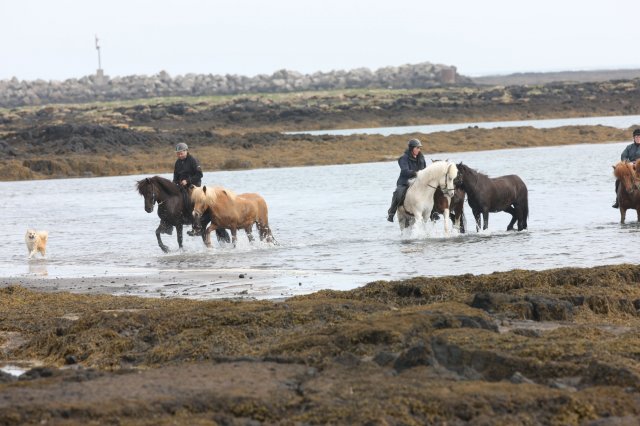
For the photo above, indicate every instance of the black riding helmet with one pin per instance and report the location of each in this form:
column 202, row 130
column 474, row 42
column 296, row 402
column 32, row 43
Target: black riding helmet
column 413, row 143
column 636, row 132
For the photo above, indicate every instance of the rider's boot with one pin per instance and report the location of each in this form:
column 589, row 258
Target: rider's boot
column 394, row 206
column 616, row 205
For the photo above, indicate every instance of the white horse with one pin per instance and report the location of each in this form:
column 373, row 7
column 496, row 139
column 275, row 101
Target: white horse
column 418, row 202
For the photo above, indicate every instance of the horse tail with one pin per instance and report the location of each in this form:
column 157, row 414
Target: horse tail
column 525, row 205
column 262, row 221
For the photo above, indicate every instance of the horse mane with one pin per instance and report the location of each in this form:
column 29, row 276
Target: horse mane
column 623, row 170
column 435, row 169
column 209, row 194
column 474, row 172
column 163, row 184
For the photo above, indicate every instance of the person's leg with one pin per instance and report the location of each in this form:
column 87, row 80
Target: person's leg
column 616, row 204
column 395, row 201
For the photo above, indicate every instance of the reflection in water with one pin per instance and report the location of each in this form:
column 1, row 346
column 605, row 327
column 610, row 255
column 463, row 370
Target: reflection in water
column 38, row 268
column 619, row 121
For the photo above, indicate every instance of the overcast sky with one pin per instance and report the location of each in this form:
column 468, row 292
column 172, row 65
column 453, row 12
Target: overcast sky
column 55, row 39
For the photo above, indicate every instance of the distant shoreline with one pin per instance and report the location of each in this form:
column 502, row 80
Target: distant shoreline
column 253, row 131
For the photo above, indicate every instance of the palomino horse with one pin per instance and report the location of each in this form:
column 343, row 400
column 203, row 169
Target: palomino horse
column 171, row 209
column 485, row 194
column 419, row 200
column 628, row 189
column 230, row 210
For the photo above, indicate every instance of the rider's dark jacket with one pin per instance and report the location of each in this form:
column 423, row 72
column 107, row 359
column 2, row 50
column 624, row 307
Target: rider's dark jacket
column 409, row 166
column 631, row 152
column 187, row 169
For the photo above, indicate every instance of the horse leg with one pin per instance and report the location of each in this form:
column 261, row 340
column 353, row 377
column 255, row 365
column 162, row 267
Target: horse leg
column 207, row 234
column 460, row 221
column 265, row 233
column 269, row 235
column 485, row 216
column 179, row 235
column 222, row 235
column 514, row 217
column 623, row 214
column 445, row 218
column 162, row 246
column 234, row 236
column 521, row 215
column 248, row 230
column 476, row 216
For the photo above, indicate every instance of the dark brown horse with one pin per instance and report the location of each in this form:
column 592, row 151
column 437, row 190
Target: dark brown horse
column 171, row 208
column 485, row 194
column 456, row 208
column 628, row 189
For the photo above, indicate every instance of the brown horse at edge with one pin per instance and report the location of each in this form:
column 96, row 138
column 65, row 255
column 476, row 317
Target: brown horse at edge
column 629, row 188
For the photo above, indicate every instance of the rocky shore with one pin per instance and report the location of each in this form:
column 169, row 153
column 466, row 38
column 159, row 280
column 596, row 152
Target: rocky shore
column 556, row 347
column 100, row 87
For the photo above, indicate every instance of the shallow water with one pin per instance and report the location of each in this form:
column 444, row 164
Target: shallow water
column 618, row 121
column 331, row 224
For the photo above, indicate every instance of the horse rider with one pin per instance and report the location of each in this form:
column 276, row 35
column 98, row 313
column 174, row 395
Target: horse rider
column 411, row 162
column 631, row 153
column 186, row 172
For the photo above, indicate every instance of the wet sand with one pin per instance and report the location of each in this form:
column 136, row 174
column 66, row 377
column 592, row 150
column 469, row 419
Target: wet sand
column 240, row 284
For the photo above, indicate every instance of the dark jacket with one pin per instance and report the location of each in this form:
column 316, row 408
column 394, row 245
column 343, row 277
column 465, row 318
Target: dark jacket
column 187, row 169
column 631, row 153
column 409, row 166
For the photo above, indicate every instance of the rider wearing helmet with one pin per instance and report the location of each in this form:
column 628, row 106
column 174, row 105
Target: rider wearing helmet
column 631, row 153
column 410, row 163
column 187, row 170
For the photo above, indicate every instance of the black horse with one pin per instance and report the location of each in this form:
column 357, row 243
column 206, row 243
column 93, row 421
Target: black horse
column 485, row 194
column 171, row 208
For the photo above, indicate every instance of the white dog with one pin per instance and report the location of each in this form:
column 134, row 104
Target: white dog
column 36, row 242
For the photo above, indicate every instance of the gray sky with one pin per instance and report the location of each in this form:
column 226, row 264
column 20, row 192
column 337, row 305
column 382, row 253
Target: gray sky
column 54, row 39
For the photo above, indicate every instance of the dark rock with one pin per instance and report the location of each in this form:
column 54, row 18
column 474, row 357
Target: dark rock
column 413, row 357
column 37, row 373
column 7, row 378
column 384, row 358
column 347, row 359
column 546, row 309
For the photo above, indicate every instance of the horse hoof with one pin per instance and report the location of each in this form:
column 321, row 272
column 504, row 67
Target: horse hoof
column 165, row 249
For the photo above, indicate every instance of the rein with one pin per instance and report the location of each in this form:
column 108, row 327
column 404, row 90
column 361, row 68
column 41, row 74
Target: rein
column 445, row 190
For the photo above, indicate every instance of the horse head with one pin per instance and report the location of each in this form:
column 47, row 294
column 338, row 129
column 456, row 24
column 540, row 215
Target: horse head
column 465, row 175
column 624, row 172
column 202, row 198
column 449, row 179
column 199, row 199
column 147, row 189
